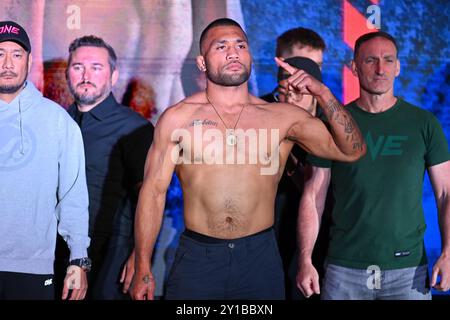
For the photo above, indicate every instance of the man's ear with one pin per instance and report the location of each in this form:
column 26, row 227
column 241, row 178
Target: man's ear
column 114, row 77
column 397, row 68
column 30, row 61
column 201, row 64
column 354, row 68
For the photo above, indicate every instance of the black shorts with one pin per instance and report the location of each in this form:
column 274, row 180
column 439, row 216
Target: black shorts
column 222, row 269
column 26, row 286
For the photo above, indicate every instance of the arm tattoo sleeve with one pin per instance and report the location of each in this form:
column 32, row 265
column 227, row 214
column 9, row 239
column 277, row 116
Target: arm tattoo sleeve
column 337, row 113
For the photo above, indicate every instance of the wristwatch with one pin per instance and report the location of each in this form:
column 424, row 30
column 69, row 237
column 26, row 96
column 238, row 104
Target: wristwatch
column 83, row 263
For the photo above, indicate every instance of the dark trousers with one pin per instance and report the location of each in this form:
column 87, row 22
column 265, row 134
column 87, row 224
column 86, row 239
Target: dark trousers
column 97, row 252
column 107, row 285
column 25, row 286
column 218, row 269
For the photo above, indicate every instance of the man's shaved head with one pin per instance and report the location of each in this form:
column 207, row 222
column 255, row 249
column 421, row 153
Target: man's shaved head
column 219, row 23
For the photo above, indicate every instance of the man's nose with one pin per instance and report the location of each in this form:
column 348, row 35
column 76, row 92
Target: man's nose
column 86, row 74
column 232, row 54
column 379, row 67
column 8, row 62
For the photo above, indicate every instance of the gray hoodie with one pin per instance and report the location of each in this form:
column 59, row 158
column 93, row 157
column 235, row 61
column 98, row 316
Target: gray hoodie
column 42, row 184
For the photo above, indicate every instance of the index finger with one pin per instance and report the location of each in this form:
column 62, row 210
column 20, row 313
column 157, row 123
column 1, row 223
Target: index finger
column 127, row 282
column 150, row 291
column 75, row 294
column 65, row 292
column 124, row 273
column 434, row 277
column 286, row 66
column 300, row 287
column 316, row 286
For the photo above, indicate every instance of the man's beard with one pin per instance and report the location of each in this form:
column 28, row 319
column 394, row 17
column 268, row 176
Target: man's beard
column 85, row 98
column 11, row 88
column 228, row 80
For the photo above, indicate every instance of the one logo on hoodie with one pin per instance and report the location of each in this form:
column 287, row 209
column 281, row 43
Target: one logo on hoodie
column 17, row 145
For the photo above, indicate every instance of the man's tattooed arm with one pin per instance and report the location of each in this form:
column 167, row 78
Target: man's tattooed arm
column 337, row 113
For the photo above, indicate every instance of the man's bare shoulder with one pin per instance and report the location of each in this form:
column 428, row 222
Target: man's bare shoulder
column 178, row 114
column 171, row 117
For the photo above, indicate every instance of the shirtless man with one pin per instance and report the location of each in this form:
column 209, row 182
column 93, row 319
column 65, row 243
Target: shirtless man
column 228, row 250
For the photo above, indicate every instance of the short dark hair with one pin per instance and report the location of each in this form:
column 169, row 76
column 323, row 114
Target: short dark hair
column 93, row 41
column 219, row 23
column 371, row 35
column 299, row 36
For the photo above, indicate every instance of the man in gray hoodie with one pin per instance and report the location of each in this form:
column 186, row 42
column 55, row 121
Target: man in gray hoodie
column 42, row 182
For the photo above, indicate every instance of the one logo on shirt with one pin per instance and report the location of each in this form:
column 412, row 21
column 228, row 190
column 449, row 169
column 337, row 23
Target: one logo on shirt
column 390, row 145
column 48, row 282
column 402, row 254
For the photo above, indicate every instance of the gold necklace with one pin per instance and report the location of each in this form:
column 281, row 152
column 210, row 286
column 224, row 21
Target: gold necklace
column 231, row 136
